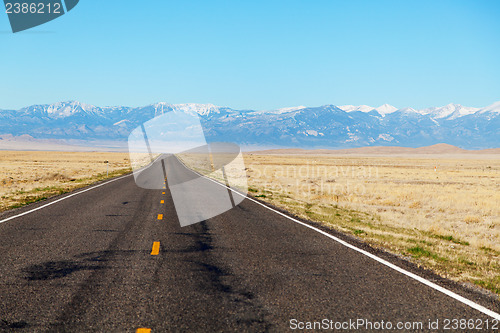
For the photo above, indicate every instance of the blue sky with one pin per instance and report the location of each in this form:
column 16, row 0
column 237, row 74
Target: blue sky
column 257, row 54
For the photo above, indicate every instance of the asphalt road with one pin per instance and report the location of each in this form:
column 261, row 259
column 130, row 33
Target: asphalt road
column 84, row 264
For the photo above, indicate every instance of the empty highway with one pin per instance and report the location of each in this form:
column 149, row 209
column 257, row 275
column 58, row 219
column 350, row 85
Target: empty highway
column 113, row 258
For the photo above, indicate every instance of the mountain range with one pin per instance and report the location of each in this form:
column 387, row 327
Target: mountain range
column 327, row 126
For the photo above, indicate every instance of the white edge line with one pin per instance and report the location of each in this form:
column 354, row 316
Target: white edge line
column 61, row 199
column 420, row 279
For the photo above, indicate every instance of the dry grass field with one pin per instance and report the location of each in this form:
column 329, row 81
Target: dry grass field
column 442, row 212
column 30, row 176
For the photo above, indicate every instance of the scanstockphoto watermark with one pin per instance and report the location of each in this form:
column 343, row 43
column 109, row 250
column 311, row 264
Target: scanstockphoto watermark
column 311, row 178
column 355, row 324
column 363, row 324
column 311, row 170
column 26, row 14
column 204, row 179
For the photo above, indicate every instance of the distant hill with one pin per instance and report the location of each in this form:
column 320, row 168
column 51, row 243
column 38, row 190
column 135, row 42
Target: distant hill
column 440, row 148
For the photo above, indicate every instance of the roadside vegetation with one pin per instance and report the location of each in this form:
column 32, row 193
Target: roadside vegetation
column 440, row 213
column 32, row 176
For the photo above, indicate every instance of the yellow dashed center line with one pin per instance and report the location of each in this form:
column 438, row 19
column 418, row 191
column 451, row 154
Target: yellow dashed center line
column 143, row 330
column 156, row 249
column 162, row 192
column 163, row 201
column 160, row 216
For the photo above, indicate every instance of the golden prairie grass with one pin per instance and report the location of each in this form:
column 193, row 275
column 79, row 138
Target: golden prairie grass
column 29, row 176
column 442, row 213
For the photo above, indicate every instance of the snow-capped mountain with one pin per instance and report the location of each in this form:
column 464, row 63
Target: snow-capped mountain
column 382, row 110
column 493, row 108
column 450, row 111
column 289, row 109
column 352, row 108
column 386, row 109
column 326, row 126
